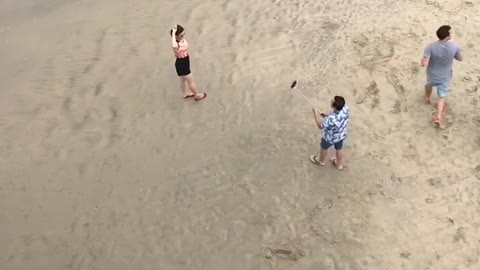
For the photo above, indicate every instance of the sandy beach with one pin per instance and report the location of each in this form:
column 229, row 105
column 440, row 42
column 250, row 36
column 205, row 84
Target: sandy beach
column 104, row 166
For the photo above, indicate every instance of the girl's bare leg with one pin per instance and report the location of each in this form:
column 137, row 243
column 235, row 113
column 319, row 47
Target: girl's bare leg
column 183, row 83
column 193, row 87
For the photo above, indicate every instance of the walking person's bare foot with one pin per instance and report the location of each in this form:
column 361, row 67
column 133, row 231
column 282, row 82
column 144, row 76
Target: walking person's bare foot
column 428, row 100
column 188, row 95
column 337, row 164
column 440, row 124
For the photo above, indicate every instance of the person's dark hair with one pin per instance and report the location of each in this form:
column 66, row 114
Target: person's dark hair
column 338, row 103
column 443, row 32
column 180, row 29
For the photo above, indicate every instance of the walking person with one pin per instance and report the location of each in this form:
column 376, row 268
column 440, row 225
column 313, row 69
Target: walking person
column 334, row 127
column 182, row 63
column 438, row 58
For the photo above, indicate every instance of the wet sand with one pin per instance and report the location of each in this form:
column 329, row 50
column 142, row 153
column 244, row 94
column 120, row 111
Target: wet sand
column 103, row 165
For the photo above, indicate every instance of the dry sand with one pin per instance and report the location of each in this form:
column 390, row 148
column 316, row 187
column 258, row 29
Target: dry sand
column 104, row 166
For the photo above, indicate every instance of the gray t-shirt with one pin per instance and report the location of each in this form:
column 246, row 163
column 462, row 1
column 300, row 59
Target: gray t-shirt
column 441, row 56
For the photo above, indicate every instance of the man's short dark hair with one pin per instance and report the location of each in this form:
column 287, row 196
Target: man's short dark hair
column 338, row 103
column 443, row 32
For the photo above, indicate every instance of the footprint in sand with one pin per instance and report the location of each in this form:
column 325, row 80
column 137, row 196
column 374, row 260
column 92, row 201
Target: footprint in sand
column 472, row 89
column 371, row 94
column 405, row 254
column 289, row 251
column 435, row 182
column 476, row 171
column 433, row 3
column 460, row 235
column 373, row 52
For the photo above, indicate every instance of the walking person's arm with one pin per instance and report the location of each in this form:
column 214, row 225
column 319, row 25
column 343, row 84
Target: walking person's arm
column 318, row 118
column 425, row 61
column 459, row 55
column 426, row 56
column 173, row 33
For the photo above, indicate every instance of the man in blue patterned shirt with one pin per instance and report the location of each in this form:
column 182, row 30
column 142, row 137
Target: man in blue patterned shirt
column 334, row 128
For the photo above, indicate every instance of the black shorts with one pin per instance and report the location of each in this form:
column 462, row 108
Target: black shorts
column 182, row 66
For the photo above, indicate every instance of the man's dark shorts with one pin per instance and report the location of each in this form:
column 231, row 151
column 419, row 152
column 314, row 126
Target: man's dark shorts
column 325, row 145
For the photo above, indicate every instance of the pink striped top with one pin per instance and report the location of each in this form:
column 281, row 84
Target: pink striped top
column 182, row 50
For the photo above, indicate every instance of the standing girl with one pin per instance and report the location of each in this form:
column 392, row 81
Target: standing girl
column 182, row 63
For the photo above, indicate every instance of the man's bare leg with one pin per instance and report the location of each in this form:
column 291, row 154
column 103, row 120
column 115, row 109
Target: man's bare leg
column 440, row 108
column 428, row 93
column 323, row 156
column 339, row 159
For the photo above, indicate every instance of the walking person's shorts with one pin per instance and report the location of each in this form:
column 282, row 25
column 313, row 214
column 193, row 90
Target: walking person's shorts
column 442, row 87
column 326, row 145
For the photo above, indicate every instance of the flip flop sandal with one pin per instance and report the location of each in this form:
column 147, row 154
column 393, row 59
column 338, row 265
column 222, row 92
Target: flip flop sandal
column 204, row 96
column 189, row 96
column 314, row 160
column 334, row 161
